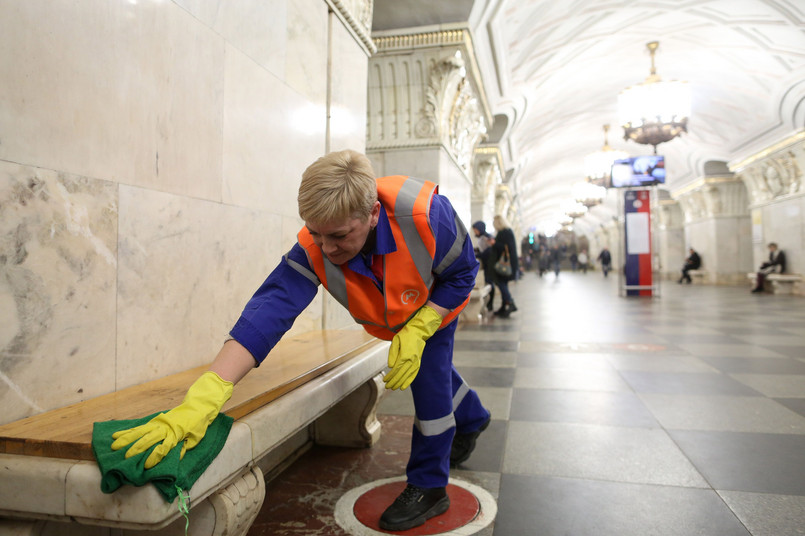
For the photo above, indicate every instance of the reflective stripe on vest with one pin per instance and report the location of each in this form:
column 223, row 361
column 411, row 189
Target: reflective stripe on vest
column 408, row 271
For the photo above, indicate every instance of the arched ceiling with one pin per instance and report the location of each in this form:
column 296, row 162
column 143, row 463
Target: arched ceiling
column 555, row 69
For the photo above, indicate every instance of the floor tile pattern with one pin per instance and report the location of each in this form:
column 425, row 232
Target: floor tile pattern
column 680, row 414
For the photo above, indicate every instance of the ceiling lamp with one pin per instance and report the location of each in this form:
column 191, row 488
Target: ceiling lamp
column 598, row 165
column 654, row 112
column 573, row 209
column 588, row 194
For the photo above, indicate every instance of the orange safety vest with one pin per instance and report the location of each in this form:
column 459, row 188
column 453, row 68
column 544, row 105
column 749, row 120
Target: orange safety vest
column 408, row 272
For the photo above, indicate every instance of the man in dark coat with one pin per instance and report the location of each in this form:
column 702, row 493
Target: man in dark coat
column 693, row 262
column 775, row 265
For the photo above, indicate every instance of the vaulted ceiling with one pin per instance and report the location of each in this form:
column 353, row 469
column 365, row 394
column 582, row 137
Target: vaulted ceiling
column 554, row 69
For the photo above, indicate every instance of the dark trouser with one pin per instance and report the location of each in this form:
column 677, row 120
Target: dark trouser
column 761, row 281
column 685, row 275
column 505, row 294
column 444, row 404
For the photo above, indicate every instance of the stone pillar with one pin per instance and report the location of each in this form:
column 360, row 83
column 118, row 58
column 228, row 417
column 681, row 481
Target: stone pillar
column 773, row 179
column 427, row 109
column 670, row 240
column 487, row 178
column 717, row 226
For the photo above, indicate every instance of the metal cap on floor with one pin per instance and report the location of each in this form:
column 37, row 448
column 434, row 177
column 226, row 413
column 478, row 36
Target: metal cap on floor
column 471, row 509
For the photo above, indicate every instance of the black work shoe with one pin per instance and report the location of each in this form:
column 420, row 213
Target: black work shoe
column 464, row 444
column 413, row 507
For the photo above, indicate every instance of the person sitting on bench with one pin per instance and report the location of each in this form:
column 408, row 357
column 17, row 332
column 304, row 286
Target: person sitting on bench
column 693, row 262
column 775, row 265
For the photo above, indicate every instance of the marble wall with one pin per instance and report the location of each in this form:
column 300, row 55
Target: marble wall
column 149, row 157
column 774, row 182
column 717, row 227
column 671, row 249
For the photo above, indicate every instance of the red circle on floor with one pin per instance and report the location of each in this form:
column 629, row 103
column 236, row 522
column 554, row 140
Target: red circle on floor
column 464, row 507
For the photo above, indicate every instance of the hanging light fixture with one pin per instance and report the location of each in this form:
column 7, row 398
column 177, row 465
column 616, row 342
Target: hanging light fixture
column 598, row 165
column 573, row 209
column 588, row 194
column 654, row 112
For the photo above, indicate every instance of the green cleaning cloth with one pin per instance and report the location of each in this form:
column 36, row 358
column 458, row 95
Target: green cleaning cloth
column 171, row 472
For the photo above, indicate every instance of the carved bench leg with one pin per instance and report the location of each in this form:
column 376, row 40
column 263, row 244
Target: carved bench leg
column 782, row 287
column 237, row 505
column 353, row 421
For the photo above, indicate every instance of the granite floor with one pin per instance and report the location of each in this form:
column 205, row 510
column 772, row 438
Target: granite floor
column 682, row 414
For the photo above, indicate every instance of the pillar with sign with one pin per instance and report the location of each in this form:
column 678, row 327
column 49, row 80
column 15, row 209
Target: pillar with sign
column 637, row 269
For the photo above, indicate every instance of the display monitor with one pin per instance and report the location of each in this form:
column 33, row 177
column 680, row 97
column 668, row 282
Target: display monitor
column 638, row 171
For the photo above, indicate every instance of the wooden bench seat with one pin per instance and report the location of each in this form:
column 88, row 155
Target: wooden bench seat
column 319, row 386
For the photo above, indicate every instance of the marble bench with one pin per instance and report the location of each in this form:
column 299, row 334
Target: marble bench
column 778, row 283
column 476, row 312
column 698, row 276
column 321, row 387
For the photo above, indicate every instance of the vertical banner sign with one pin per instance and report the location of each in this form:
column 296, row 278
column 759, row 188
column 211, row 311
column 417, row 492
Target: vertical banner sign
column 637, row 208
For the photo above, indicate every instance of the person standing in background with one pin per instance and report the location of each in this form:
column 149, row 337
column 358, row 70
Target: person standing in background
column 484, row 253
column 583, row 260
column 556, row 259
column 505, row 246
column 605, row 258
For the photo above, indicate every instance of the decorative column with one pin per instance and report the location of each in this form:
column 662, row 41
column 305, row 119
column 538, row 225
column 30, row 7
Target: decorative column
column 487, row 178
column 717, row 226
column 774, row 182
column 427, row 110
column 670, row 239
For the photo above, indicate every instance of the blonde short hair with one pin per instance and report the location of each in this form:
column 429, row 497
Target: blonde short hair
column 499, row 222
column 337, row 186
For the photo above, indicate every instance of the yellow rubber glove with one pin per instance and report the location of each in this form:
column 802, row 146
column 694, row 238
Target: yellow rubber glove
column 186, row 422
column 407, row 346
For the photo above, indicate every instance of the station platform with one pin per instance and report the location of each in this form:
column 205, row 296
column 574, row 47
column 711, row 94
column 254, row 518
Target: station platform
column 674, row 415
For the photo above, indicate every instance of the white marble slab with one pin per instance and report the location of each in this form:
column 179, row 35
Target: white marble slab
column 348, row 101
column 127, row 91
column 271, row 134
column 255, row 27
column 33, row 484
column 58, row 250
column 187, row 268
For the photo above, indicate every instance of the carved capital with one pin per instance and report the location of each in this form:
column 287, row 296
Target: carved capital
column 487, row 174
column 711, row 197
column 670, row 215
column 775, row 172
column 425, row 90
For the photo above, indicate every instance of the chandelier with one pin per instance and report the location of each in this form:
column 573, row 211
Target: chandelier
column 573, row 209
column 598, row 165
column 654, row 112
column 588, row 194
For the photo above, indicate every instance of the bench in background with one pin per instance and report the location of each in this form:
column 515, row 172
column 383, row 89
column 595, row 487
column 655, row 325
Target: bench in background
column 320, row 387
column 476, row 312
column 778, row 283
column 698, row 276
